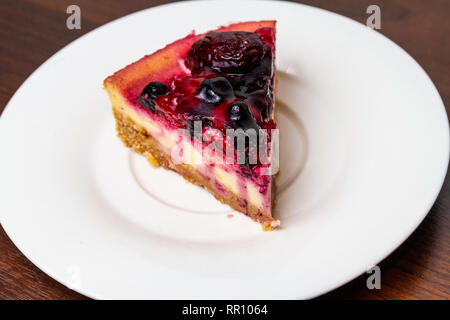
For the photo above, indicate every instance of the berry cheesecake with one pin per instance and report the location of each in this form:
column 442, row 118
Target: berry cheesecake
column 203, row 106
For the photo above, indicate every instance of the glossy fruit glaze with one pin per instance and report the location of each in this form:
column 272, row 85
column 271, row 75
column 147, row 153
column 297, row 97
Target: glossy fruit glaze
column 227, row 83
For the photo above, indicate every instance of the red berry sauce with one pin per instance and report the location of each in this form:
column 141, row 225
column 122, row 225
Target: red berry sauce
column 229, row 85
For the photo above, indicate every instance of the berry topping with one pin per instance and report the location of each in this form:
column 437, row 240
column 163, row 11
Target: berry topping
column 215, row 90
column 226, row 52
column 241, row 116
column 230, row 86
column 154, row 89
column 150, row 92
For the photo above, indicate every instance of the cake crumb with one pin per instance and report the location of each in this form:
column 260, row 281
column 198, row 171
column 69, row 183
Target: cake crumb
column 230, row 215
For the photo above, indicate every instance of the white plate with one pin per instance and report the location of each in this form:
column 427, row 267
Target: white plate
column 364, row 150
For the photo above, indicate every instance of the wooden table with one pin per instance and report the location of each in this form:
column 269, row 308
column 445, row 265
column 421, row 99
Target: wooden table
column 32, row 30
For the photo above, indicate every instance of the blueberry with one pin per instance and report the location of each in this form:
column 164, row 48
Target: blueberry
column 241, row 116
column 208, row 95
column 237, row 109
column 214, row 90
column 150, row 92
column 154, row 89
column 148, row 104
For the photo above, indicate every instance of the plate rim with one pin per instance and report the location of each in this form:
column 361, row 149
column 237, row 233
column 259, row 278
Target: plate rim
column 318, row 292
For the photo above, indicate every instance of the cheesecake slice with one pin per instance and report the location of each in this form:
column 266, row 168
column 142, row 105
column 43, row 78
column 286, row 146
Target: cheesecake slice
column 203, row 106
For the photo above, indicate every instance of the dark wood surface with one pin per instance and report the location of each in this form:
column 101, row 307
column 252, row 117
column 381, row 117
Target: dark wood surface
column 32, row 30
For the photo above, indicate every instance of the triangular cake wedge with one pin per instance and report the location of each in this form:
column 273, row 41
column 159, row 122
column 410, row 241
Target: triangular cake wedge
column 184, row 106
